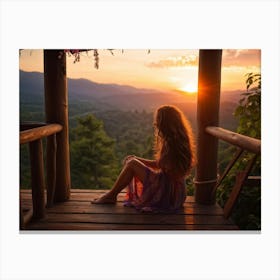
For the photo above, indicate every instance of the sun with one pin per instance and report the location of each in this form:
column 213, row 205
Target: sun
column 189, row 88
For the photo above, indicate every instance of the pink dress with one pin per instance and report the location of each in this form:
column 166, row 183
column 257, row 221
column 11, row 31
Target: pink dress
column 158, row 193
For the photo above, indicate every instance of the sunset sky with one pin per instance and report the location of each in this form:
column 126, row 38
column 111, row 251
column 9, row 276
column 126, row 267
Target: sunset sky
column 158, row 69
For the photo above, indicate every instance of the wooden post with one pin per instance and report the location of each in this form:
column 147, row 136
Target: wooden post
column 51, row 168
column 21, row 219
column 208, row 101
column 37, row 178
column 56, row 107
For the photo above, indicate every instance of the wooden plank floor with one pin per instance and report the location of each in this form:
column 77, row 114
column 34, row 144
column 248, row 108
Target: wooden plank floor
column 79, row 214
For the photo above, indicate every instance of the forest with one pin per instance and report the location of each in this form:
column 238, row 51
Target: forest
column 102, row 134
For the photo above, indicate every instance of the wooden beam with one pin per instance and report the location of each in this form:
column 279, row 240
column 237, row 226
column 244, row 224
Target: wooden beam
column 37, row 178
column 244, row 142
column 241, row 178
column 208, row 102
column 51, row 168
column 227, row 170
column 36, row 133
column 56, row 107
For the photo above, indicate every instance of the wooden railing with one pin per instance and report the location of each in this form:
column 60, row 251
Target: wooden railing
column 243, row 143
column 33, row 133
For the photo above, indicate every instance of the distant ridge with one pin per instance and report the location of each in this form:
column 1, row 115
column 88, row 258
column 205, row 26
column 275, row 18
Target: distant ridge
column 82, row 87
column 113, row 95
column 32, row 89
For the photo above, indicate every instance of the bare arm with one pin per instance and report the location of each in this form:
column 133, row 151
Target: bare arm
column 148, row 162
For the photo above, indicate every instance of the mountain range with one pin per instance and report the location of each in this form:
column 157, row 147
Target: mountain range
column 32, row 88
column 104, row 97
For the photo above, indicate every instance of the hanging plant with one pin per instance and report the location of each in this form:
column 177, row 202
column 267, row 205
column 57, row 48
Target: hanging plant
column 76, row 53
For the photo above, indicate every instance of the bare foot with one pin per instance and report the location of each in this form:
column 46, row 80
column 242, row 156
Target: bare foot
column 105, row 199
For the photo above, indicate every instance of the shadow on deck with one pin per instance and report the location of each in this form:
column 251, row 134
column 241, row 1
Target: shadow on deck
column 79, row 214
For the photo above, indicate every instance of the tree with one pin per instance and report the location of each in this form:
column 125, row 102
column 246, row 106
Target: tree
column 93, row 162
column 249, row 110
column 247, row 211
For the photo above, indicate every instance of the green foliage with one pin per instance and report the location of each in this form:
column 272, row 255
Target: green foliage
column 32, row 112
column 189, row 183
column 249, row 110
column 93, row 161
column 123, row 133
column 132, row 131
column 247, row 211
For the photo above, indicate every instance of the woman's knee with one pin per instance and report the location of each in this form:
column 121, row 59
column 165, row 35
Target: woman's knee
column 137, row 168
column 132, row 163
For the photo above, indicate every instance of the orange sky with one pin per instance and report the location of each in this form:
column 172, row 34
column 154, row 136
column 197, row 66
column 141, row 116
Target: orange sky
column 160, row 69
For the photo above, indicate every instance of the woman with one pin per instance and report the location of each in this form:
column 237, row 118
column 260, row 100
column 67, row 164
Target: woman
column 158, row 185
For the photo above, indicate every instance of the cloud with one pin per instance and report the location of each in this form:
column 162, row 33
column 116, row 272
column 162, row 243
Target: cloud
column 232, row 58
column 175, row 61
column 241, row 57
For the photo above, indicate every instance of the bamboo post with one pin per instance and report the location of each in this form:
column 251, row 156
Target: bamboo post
column 37, row 178
column 51, row 168
column 56, row 107
column 208, row 102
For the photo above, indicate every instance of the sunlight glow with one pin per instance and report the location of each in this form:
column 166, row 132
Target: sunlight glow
column 189, row 88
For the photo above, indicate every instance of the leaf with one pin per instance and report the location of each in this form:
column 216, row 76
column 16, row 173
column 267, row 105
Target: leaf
column 248, row 112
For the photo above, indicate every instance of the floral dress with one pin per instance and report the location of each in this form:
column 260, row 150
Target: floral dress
column 160, row 192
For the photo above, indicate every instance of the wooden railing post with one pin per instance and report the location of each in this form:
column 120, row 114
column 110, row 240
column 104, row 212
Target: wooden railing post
column 37, row 178
column 56, row 107
column 33, row 133
column 51, row 168
column 208, row 102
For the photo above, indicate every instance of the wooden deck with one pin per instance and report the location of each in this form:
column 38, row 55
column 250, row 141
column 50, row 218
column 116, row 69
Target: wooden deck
column 79, row 214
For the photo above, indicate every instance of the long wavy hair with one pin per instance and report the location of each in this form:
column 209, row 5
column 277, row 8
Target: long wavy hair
column 174, row 142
